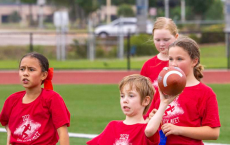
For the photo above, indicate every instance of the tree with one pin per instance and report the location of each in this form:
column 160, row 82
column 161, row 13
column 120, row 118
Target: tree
column 199, row 7
column 215, row 11
column 30, row 2
column 119, row 2
column 125, row 11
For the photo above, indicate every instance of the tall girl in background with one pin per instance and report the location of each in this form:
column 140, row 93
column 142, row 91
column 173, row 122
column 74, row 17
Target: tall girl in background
column 193, row 116
column 164, row 33
column 35, row 115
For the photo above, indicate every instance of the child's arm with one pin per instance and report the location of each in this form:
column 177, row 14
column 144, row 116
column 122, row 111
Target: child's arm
column 8, row 135
column 199, row 133
column 151, row 114
column 155, row 121
column 63, row 135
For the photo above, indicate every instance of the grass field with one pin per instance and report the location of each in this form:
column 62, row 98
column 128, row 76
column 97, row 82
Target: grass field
column 212, row 56
column 93, row 106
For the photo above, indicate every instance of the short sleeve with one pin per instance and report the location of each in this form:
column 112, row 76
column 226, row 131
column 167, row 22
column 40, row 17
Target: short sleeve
column 106, row 136
column 155, row 139
column 59, row 112
column 5, row 113
column 144, row 70
column 7, row 108
column 94, row 141
column 210, row 113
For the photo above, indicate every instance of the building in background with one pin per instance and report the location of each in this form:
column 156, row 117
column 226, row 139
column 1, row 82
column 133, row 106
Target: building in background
column 12, row 12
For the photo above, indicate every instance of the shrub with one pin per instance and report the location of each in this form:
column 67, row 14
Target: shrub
column 12, row 52
column 212, row 37
column 213, row 34
column 143, row 43
column 194, row 37
column 100, row 53
column 80, row 49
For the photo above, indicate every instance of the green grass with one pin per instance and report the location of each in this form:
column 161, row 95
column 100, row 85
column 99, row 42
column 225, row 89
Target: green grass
column 93, row 106
column 211, row 57
column 214, row 56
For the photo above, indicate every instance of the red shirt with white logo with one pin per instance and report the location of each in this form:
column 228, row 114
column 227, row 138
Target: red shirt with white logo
column 118, row 133
column 36, row 122
column 152, row 68
column 196, row 106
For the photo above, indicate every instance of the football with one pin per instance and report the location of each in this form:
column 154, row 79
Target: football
column 171, row 81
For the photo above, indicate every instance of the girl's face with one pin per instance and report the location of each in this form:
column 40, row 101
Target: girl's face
column 30, row 73
column 162, row 39
column 179, row 57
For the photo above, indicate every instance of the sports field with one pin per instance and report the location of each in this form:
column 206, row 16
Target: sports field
column 212, row 57
column 93, row 106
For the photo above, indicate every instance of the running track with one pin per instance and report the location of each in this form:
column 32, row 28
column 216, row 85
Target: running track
column 106, row 77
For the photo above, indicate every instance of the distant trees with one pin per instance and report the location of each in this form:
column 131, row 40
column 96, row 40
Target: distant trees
column 195, row 9
column 199, row 7
column 125, row 11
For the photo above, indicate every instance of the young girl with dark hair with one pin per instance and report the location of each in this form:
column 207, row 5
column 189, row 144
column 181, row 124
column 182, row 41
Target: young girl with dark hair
column 35, row 115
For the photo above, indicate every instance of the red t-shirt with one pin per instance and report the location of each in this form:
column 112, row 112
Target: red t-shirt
column 36, row 122
column 196, row 106
column 118, row 133
column 152, row 68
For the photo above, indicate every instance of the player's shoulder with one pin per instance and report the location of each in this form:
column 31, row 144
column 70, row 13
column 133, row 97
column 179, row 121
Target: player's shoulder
column 50, row 94
column 15, row 96
column 115, row 123
column 204, row 87
column 153, row 59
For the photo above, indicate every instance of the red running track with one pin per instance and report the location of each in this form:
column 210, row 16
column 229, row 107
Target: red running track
column 106, row 77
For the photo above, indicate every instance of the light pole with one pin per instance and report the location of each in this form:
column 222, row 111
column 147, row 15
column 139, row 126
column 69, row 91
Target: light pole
column 227, row 30
column 142, row 15
column 41, row 3
column 183, row 11
column 166, row 8
column 108, row 5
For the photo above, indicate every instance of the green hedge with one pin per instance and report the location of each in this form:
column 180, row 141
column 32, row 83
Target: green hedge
column 143, row 43
column 212, row 37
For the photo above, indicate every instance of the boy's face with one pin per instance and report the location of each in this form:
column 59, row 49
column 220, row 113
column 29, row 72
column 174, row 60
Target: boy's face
column 130, row 101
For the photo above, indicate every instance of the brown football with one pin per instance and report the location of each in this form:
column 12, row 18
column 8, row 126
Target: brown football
column 171, row 80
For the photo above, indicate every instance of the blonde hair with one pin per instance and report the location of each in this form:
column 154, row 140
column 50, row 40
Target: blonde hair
column 142, row 85
column 165, row 23
column 193, row 50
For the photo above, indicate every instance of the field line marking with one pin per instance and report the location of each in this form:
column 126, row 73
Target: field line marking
column 79, row 135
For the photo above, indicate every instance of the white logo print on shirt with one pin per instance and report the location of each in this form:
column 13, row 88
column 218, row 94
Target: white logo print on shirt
column 123, row 140
column 27, row 130
column 155, row 83
column 172, row 112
